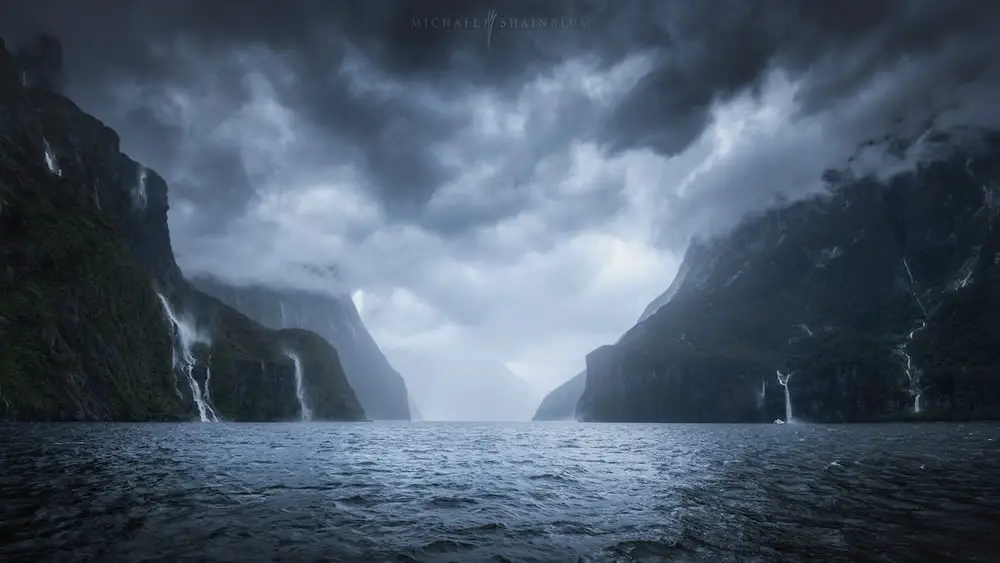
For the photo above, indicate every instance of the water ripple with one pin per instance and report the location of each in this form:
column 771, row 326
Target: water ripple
column 431, row 492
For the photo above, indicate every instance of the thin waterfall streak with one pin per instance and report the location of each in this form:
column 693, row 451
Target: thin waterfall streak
column 300, row 389
column 783, row 381
column 185, row 336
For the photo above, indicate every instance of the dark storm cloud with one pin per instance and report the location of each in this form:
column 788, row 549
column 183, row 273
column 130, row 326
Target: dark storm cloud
column 139, row 42
column 704, row 52
column 727, row 47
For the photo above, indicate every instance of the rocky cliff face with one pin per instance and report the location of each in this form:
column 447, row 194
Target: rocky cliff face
column 380, row 389
column 81, row 332
column 86, row 267
column 879, row 299
column 560, row 404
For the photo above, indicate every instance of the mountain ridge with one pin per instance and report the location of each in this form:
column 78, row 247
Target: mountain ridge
column 842, row 290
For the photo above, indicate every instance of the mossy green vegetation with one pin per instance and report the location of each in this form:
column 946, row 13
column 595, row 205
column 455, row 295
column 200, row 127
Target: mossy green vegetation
column 83, row 334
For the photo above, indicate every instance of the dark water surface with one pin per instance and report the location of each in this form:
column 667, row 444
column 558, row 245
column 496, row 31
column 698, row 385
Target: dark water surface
column 499, row 492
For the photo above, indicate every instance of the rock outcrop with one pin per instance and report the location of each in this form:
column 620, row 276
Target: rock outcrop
column 879, row 298
column 85, row 258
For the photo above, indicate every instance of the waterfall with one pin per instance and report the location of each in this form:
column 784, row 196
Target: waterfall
column 139, row 197
column 913, row 291
column 783, row 380
column 281, row 304
column 300, row 389
column 186, row 336
column 762, row 395
column 912, row 373
column 50, row 160
column 208, row 382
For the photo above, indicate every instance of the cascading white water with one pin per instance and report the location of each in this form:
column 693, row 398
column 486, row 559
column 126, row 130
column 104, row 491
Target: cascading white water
column 186, row 336
column 783, row 380
column 762, row 394
column 300, row 389
column 913, row 289
column 208, row 382
column 50, row 160
column 139, row 197
column 912, row 373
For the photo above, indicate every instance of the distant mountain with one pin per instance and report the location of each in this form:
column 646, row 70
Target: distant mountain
column 560, row 403
column 380, row 389
column 879, row 299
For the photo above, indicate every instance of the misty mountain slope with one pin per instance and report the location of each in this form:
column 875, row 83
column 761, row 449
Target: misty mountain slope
column 85, row 252
column 560, row 403
column 836, row 291
column 380, row 389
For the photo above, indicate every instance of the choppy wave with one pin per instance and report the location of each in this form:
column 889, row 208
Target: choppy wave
column 554, row 492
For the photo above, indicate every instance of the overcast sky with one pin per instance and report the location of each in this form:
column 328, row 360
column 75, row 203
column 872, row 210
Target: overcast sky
column 514, row 195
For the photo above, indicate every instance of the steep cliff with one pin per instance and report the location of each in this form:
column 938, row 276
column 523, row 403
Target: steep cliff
column 82, row 335
column 560, row 403
column 878, row 298
column 87, row 274
column 380, row 389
